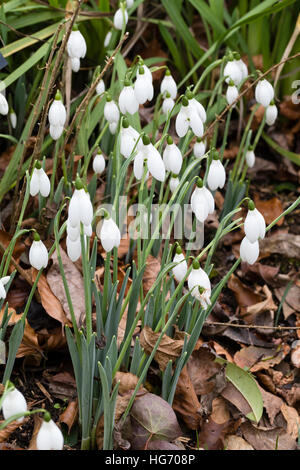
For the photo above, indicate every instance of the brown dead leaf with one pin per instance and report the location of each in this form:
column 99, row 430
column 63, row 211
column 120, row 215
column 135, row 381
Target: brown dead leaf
column 282, row 243
column 220, row 413
column 70, row 415
column 244, row 295
column 5, row 240
column 237, row 443
column 292, row 418
column 262, row 439
column 63, row 385
column 206, row 375
column 266, row 272
column 234, row 396
column 10, row 428
column 212, row 435
column 127, row 381
column 257, row 359
column 151, row 272
column 270, row 209
column 291, row 303
column 168, row 349
column 272, row 404
column 231, row 152
column 186, row 402
column 295, row 354
column 263, row 306
column 289, row 109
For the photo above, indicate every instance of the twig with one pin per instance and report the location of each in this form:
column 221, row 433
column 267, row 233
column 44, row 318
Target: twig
column 236, row 325
column 16, row 31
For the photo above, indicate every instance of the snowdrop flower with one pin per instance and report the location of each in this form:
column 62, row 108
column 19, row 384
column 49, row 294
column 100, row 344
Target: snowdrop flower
column 49, row 436
column 111, row 110
column 3, row 281
column 13, row 403
column 242, row 66
column 100, row 88
column 127, row 100
column 13, row 118
column 113, row 127
column 120, row 18
column 232, row 93
column 129, row 3
column 172, row 157
column 149, row 154
column 233, row 72
column 99, row 163
column 197, row 107
column 168, row 85
column 199, row 285
column 168, row 104
column 143, row 87
column 199, row 148
column 76, row 47
column 180, row 270
column 144, row 70
column 216, row 174
column 4, row 108
column 39, row 182
column 57, row 117
column 271, row 114
column 202, row 201
column 38, row 254
column 264, row 93
column 254, row 225
column 188, row 117
column 128, row 139
column 249, row 252
column 109, row 233
column 174, row 183
column 80, row 207
column 107, row 38
column 250, row 157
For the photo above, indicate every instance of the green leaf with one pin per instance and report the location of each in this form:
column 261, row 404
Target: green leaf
column 294, row 157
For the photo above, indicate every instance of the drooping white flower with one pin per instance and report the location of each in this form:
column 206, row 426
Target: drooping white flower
column 143, row 87
column 3, row 281
column 216, row 174
column 271, row 114
column 172, row 157
column 200, row 148
column 189, row 116
column 120, row 18
column 127, row 100
column 243, row 68
column 13, row 404
column 199, row 285
column 73, row 248
column 174, row 183
column 4, row 108
column 149, row 154
column 264, row 93
column 249, row 252
column 129, row 3
column 39, row 182
column 232, row 93
column 38, row 254
column 202, row 201
column 107, row 38
column 111, row 110
column 232, row 72
column 168, row 85
column 168, row 104
column 254, row 225
column 49, row 436
column 57, row 117
column 100, row 88
column 76, row 45
column 128, row 139
column 80, row 207
column 250, row 157
column 180, row 270
column 13, row 118
column 109, row 234
column 75, row 64
column 113, row 127
column 198, row 107
column 98, row 163
column 144, row 70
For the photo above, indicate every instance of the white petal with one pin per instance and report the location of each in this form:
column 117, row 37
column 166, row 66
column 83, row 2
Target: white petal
column 196, row 124
column 168, row 85
column 13, row 119
column 174, row 183
column 73, row 248
column 271, row 114
column 264, row 92
column 75, row 63
column 199, row 149
column 49, row 437
column 233, row 72
column 138, row 165
column 143, row 89
column 231, row 94
column 73, row 232
column 73, row 213
column 199, row 109
column 57, row 113
column 155, row 164
column 249, row 252
column 250, row 158
column 14, row 403
column 127, row 101
column 111, row 111
column 99, row 164
column 34, row 183
column 44, row 183
column 56, row 131
column 120, row 18
column 100, row 88
column 107, row 39
column 4, row 108
column 172, row 159
column 5, row 280
column 85, row 207
column 167, row 105
column 182, row 123
column 252, row 226
column 76, row 45
column 38, row 255
column 109, row 234
column 179, row 271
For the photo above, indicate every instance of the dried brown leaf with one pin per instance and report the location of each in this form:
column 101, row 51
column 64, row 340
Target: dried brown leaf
column 10, row 428
column 257, row 359
column 272, row 439
column 70, row 415
column 237, row 443
column 186, row 402
column 292, row 418
column 270, row 209
column 168, row 349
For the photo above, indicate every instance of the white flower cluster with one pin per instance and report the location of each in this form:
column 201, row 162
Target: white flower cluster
column 235, row 72
column 255, row 229
column 264, row 95
column 76, row 48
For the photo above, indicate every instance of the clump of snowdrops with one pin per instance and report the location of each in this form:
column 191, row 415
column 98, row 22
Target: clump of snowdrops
column 172, row 169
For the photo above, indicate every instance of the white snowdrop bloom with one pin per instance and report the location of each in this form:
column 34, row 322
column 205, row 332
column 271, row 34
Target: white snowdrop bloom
column 216, row 174
column 128, row 139
column 75, row 64
column 199, row 285
column 144, row 70
column 271, row 114
column 111, row 110
column 232, row 93
column 202, row 201
column 154, row 161
column 129, row 3
column 127, row 100
column 49, row 436
column 4, row 108
column 109, row 234
column 167, row 105
column 76, row 45
column 73, row 233
column 249, row 252
column 168, row 85
column 243, row 68
column 3, row 281
column 39, row 182
column 264, row 93
column 174, row 183
column 250, row 157
column 73, row 248
column 172, row 157
column 199, row 148
column 38, row 254
column 180, row 270
column 80, row 207
column 107, row 38
column 143, row 87
column 13, row 119
column 254, row 225
column 233, row 72
column 188, row 117
column 14, row 403
column 120, row 18
column 99, row 163
column 57, row 117
column 199, row 108
column 100, row 88
column 139, row 166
